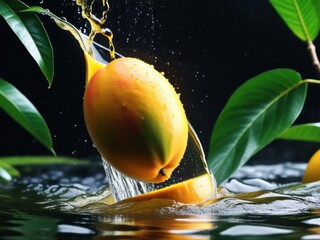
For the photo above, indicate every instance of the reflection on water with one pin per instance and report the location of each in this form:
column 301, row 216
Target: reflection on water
column 74, row 203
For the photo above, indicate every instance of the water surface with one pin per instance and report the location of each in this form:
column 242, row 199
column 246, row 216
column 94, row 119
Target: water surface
column 71, row 202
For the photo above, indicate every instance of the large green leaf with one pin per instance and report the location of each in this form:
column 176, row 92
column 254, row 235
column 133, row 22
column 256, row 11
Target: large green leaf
column 30, row 31
column 256, row 113
column 304, row 132
column 14, row 103
column 300, row 16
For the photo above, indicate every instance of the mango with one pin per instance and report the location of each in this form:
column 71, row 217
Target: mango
column 135, row 119
column 312, row 171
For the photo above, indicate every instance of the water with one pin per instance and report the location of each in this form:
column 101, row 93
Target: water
column 71, row 202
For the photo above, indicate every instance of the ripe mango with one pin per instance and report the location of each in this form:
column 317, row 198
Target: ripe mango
column 135, row 119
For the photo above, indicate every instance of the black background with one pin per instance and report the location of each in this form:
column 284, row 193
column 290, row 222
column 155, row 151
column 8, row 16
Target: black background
column 206, row 48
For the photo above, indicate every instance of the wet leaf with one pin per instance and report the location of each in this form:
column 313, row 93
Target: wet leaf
column 256, row 113
column 300, row 16
column 304, row 132
column 14, row 103
column 32, row 34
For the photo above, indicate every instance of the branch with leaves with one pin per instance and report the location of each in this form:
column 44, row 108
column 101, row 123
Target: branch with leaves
column 265, row 107
column 34, row 37
column 302, row 18
column 32, row 34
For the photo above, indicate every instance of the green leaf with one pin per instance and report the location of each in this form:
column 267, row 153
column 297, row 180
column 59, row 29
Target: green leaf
column 36, row 9
column 30, row 31
column 316, row 4
column 300, row 16
column 256, row 113
column 304, row 132
column 14, row 103
column 63, row 24
column 41, row 160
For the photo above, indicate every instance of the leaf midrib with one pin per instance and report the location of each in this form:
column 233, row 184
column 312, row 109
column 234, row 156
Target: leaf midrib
column 301, row 20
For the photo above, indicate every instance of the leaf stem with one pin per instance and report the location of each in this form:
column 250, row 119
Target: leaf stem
column 314, row 81
column 313, row 53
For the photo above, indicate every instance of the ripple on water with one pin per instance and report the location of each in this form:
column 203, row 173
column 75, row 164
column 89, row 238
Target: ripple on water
column 282, row 201
column 252, row 190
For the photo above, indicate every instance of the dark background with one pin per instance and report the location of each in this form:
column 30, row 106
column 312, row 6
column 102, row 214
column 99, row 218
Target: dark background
column 206, row 48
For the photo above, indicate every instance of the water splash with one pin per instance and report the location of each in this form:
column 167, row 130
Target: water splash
column 78, row 189
column 123, row 187
column 289, row 199
column 193, row 164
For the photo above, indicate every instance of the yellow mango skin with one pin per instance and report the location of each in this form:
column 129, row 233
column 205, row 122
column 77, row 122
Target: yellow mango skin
column 136, row 119
column 312, row 172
